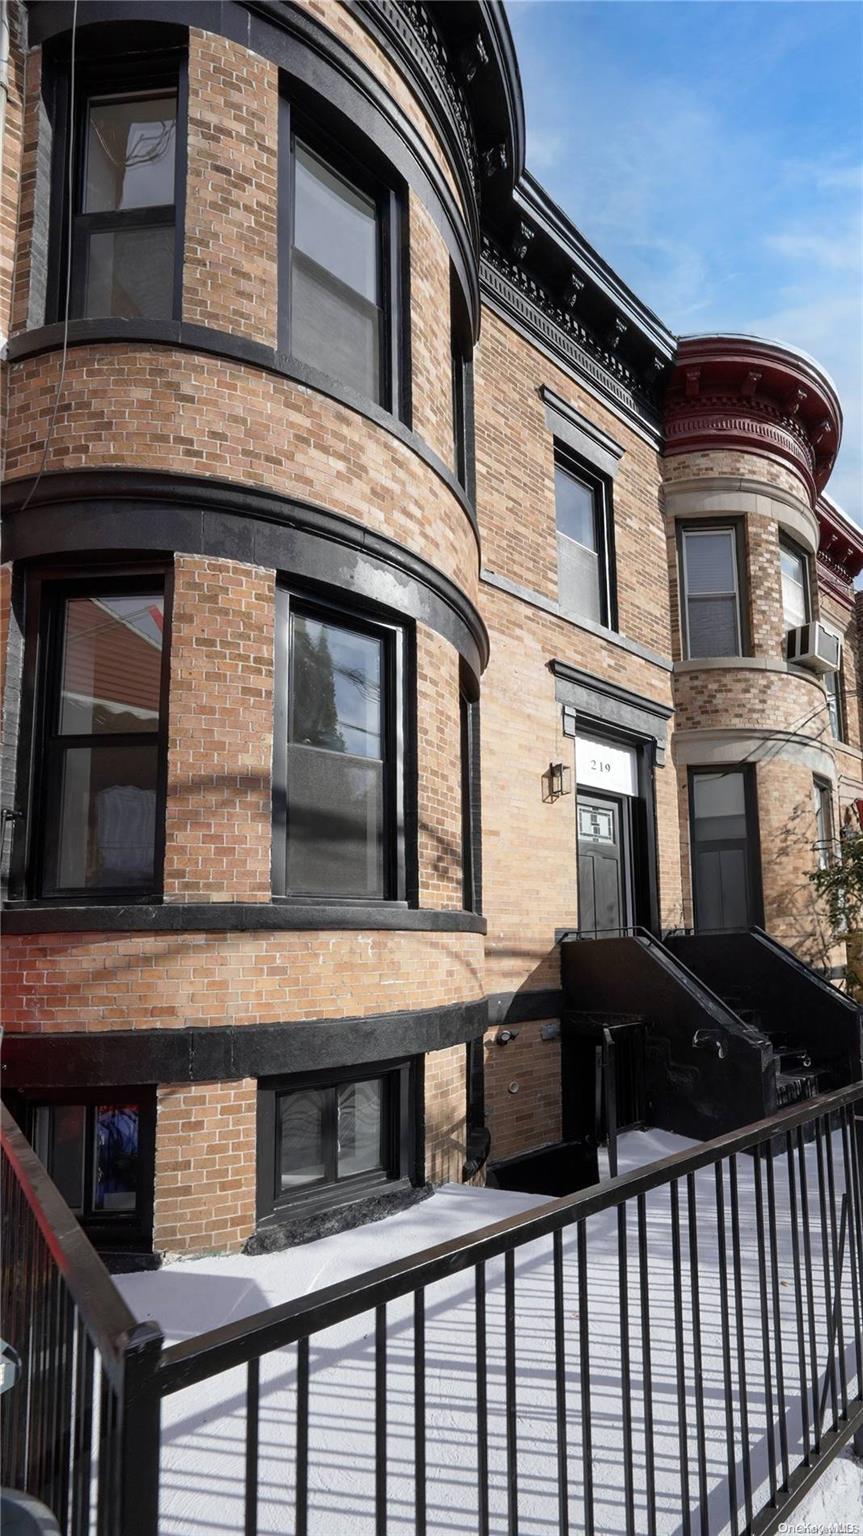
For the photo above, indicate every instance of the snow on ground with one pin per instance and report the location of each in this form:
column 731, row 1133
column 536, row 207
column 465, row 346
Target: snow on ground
column 204, row 1426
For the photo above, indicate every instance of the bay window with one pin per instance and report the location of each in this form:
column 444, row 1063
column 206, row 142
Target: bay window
column 794, row 569
column 99, row 777
column 711, row 592
column 338, row 825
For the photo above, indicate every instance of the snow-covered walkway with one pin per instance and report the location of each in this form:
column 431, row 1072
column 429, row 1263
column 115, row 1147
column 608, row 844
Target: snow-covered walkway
column 204, row 1426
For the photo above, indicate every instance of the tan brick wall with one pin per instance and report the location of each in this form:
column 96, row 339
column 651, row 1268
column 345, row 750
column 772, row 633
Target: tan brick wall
column 793, row 912
column 160, row 409
column 734, row 461
column 763, row 578
column 445, row 1114
column 740, row 697
column 205, row 1166
column 230, row 258
column 515, row 485
column 218, row 817
column 431, row 396
column 530, row 1117
column 54, row 983
column 529, row 848
column 439, row 778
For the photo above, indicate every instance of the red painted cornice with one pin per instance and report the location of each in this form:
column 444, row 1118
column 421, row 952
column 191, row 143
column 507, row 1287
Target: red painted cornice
column 758, row 396
column 840, row 551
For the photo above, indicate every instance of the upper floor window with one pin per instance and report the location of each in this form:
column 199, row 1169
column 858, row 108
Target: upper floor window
column 711, row 592
column 461, row 357
column 585, row 564
column 338, row 268
column 834, row 683
column 822, row 795
column 337, row 762
column 124, row 254
column 470, row 799
column 794, row 567
column 99, row 781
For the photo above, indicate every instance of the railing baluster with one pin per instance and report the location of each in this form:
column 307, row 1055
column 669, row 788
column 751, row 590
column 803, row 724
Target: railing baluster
column 730, row 1441
column 625, row 1371
column 510, row 1380
column 697, row 1366
column 856, row 1154
column 644, row 1301
column 584, row 1378
column 560, row 1386
column 810, row 1288
column 854, row 1250
column 481, row 1403
column 741, row 1339
column 777, row 1317
column 419, row 1413
column 798, row 1300
column 381, row 1420
column 253, row 1409
column 837, row 1269
column 302, row 1495
column 680, row 1362
column 826, row 1265
column 83, row 1440
column 765, row 1318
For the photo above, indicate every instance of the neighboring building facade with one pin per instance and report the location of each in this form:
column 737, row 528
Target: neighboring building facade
column 387, row 592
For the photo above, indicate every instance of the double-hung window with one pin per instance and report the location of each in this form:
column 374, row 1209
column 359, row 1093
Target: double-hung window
column 338, row 267
column 100, row 785
column 711, row 592
column 834, row 685
column 124, row 236
column 326, row 1139
column 822, row 796
column 794, row 568
column 584, row 542
column 470, row 799
column 338, row 829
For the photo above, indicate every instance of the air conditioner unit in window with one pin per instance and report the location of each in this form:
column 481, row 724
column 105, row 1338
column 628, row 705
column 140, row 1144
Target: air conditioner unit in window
column 814, row 647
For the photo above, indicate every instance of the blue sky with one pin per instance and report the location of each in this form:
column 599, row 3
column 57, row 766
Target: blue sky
column 712, row 151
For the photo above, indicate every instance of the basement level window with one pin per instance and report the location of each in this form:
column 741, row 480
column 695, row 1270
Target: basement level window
column 326, row 1140
column 98, row 1147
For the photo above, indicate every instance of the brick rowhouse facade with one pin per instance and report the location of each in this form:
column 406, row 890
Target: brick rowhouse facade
column 478, row 532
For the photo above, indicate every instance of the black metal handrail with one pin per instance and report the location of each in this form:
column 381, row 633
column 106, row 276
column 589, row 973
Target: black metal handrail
column 806, row 1380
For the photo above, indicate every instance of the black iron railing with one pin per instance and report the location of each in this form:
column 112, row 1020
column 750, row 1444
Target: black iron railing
column 80, row 1430
column 679, row 1348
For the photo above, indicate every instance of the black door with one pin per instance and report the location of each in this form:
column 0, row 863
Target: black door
column 726, row 887
column 603, row 898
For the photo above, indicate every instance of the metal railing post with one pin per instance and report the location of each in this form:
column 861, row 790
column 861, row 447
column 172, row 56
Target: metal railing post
column 140, row 1427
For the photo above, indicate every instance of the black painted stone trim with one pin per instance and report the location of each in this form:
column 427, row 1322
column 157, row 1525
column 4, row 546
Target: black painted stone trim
column 234, row 917
column 281, row 1233
column 236, row 349
column 219, row 1055
column 596, row 700
column 83, row 511
column 524, row 1007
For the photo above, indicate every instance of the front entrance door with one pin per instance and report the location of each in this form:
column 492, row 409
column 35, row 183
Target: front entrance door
column 604, row 904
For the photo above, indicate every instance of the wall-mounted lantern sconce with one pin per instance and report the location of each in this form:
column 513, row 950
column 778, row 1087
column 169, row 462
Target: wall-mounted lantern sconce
column 557, row 781
column 506, row 1036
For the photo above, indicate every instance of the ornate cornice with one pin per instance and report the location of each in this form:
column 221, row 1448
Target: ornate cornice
column 509, row 284
column 740, row 392
column 840, row 552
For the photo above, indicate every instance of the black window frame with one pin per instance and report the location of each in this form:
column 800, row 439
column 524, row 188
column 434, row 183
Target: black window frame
column 471, row 794
column 350, row 161
column 462, row 402
column 824, row 848
column 398, row 653
column 122, row 1231
column 791, row 547
column 48, row 593
column 400, row 1169
column 161, row 69
column 602, row 492
column 734, row 526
